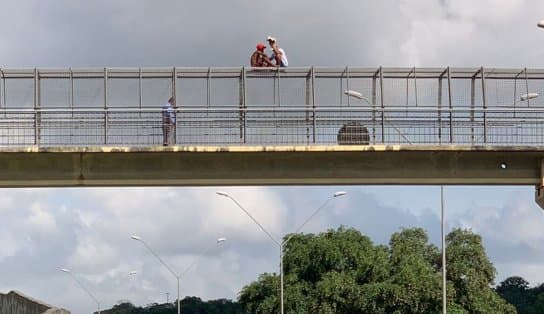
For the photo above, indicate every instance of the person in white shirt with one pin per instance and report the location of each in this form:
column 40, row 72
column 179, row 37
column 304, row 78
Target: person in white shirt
column 278, row 54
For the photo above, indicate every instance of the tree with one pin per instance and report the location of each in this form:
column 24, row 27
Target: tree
column 472, row 274
column 341, row 271
column 515, row 290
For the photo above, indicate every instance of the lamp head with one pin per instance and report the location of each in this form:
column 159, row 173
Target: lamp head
column 340, row 193
column 528, row 96
column 135, row 237
column 65, row 270
column 221, row 240
column 354, row 94
column 221, row 193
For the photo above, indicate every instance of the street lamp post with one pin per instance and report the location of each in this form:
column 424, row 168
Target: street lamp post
column 281, row 244
column 82, row 287
column 178, row 277
column 443, row 231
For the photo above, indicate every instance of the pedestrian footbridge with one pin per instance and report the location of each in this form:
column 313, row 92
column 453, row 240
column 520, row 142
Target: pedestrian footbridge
column 247, row 126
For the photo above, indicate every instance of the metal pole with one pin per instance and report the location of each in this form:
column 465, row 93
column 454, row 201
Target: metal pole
column 383, row 105
column 36, row 107
column 440, row 110
column 374, row 109
column 281, row 278
column 208, row 89
column 415, row 84
column 72, row 91
column 484, row 104
column 307, row 111
column 83, row 287
column 179, row 304
column 472, row 103
column 243, row 105
column 105, row 106
column 450, row 105
column 314, row 122
column 1, row 88
column 527, row 87
column 444, row 300
column 174, row 94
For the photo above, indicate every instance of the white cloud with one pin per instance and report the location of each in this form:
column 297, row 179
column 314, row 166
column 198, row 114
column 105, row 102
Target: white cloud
column 40, row 219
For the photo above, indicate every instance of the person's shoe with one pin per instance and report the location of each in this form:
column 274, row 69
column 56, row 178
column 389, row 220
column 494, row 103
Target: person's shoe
column 164, row 144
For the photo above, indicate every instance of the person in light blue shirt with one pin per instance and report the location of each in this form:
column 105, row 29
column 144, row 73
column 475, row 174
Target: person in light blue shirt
column 169, row 122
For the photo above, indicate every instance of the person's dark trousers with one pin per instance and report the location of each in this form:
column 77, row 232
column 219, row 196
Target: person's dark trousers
column 168, row 133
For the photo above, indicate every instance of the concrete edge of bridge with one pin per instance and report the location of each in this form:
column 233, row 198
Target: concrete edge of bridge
column 267, row 148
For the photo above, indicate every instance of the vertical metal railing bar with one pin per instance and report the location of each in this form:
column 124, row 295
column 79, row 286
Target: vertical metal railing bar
column 382, row 105
column 36, row 109
column 279, row 87
column 347, row 85
column 2, row 91
column 527, row 87
column 374, row 107
column 450, row 105
column 472, row 107
column 340, row 95
column 312, row 70
column 407, row 86
column 105, row 106
column 307, row 112
column 439, row 113
column 71, row 90
column 243, row 105
column 274, row 89
column 140, row 90
column 482, row 72
column 415, row 85
column 174, row 95
column 208, row 88
column 516, row 91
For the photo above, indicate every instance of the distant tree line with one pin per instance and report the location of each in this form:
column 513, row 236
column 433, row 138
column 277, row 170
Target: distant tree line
column 189, row 305
column 527, row 300
column 342, row 271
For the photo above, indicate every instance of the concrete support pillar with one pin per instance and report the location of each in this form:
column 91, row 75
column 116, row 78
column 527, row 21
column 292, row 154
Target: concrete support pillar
column 539, row 193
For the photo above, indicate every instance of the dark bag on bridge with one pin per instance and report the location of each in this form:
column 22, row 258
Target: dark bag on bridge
column 353, row 133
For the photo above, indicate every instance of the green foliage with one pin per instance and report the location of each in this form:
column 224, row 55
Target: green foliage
column 189, row 305
column 527, row 300
column 342, row 271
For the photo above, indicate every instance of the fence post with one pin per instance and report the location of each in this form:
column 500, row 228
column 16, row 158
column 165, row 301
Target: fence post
column 484, row 104
column 450, row 105
column 314, row 121
column 382, row 105
column 36, row 107
column 105, row 106
column 243, row 105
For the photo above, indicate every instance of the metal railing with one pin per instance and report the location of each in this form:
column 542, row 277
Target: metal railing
column 293, row 106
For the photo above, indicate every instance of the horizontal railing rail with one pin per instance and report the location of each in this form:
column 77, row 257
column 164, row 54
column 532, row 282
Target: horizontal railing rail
column 274, row 126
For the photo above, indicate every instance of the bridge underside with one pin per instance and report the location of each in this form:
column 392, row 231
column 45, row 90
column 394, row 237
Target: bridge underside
column 274, row 165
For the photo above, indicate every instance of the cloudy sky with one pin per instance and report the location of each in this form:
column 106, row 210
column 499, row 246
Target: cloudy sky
column 88, row 230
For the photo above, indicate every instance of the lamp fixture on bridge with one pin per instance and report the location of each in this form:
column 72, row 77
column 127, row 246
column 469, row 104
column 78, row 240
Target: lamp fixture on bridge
column 356, row 94
column 528, row 96
column 503, row 165
column 540, row 24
